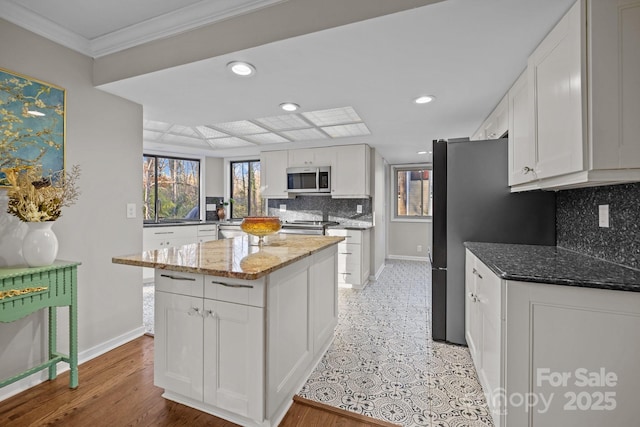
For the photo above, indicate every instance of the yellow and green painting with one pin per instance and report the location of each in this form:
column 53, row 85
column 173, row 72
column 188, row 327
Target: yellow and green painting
column 32, row 124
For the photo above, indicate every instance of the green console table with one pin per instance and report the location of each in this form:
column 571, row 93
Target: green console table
column 26, row 290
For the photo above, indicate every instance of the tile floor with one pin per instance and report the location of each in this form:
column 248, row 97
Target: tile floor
column 384, row 364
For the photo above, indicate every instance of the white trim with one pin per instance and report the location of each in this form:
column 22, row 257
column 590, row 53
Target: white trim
column 84, row 356
column 379, row 272
column 172, row 23
column 408, row 258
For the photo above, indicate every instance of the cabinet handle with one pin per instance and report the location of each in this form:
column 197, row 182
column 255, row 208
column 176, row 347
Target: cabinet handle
column 194, row 311
column 473, row 297
column 476, row 273
column 212, row 229
column 169, row 276
column 346, row 253
column 346, row 274
column 232, row 286
column 526, row 170
column 210, row 313
column 163, row 232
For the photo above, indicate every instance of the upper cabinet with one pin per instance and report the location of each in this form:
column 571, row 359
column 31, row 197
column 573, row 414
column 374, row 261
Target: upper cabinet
column 496, row 125
column 324, row 156
column 350, row 178
column 350, row 169
column 273, row 174
column 584, row 101
column 522, row 154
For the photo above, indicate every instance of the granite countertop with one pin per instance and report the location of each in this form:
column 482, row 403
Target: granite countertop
column 233, row 257
column 554, row 265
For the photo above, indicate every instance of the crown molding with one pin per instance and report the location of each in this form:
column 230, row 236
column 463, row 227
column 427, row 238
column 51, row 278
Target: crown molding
column 41, row 26
column 178, row 21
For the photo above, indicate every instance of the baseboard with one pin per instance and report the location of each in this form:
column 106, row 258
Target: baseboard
column 408, row 258
column 379, row 272
column 83, row 356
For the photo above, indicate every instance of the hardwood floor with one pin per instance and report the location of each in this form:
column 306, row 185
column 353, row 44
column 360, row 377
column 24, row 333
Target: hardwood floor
column 116, row 389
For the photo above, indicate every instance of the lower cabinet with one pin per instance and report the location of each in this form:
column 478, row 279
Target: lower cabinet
column 240, row 349
column 353, row 257
column 553, row 355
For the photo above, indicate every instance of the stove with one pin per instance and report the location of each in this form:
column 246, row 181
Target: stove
column 306, row 227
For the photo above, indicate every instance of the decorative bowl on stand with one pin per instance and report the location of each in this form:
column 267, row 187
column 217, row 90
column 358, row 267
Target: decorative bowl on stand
column 260, row 226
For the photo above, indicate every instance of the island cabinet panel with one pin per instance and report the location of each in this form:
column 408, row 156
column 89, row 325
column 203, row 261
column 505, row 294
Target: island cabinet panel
column 233, row 368
column 324, row 300
column 289, row 343
column 178, row 358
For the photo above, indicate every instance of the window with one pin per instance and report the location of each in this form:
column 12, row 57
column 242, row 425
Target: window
column 245, row 189
column 171, row 188
column 413, row 187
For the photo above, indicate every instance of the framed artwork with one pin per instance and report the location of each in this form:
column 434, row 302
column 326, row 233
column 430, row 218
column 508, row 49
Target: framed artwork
column 32, row 123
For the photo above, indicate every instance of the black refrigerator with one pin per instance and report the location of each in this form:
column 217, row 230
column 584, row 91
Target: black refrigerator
column 472, row 202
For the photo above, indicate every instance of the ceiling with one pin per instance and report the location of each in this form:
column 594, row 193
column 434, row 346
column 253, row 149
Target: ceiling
column 465, row 52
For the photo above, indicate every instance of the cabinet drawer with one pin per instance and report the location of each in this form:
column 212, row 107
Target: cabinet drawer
column 207, row 230
column 179, row 283
column 248, row 292
column 351, row 236
column 349, row 254
column 349, row 275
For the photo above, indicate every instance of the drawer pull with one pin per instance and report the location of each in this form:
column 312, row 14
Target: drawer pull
column 211, row 229
column 346, row 253
column 194, row 311
column 210, row 313
column 163, row 232
column 473, row 297
column 476, row 273
column 169, row 276
column 232, row 286
column 346, row 274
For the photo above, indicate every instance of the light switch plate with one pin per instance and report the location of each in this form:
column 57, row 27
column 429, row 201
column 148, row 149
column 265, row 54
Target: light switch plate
column 603, row 215
column 283, row 208
column 131, row 210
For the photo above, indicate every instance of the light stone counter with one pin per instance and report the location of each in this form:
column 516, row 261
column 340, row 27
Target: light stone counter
column 234, row 258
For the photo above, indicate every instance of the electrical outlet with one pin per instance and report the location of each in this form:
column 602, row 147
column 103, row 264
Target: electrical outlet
column 131, row 210
column 603, row 216
column 358, row 208
column 283, row 208
column 419, row 248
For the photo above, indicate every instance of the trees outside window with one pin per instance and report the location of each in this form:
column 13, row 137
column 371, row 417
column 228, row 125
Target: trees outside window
column 413, row 187
column 171, row 188
column 245, row 189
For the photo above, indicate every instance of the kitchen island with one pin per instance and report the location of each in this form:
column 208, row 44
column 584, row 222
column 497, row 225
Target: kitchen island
column 239, row 328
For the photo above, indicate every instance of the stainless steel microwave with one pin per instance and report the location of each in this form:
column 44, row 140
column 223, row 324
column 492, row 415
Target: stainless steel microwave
column 309, row 180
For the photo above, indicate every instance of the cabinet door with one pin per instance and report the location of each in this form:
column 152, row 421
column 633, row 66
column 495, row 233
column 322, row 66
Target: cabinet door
column 178, row 344
column 273, row 169
column 233, row 358
column 522, row 153
column 301, row 157
column 324, row 300
column 350, row 177
column 471, row 309
column 557, row 82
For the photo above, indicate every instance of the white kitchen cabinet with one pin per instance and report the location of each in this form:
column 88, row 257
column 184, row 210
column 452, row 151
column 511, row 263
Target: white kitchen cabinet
column 483, row 328
column 522, row 154
column 273, row 174
column 207, row 232
column 350, row 178
column 154, row 238
column 353, row 257
column 584, row 88
column 525, row 337
column 323, row 156
column 496, row 124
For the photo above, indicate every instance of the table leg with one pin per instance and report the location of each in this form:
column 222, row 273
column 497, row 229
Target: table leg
column 73, row 333
column 53, row 341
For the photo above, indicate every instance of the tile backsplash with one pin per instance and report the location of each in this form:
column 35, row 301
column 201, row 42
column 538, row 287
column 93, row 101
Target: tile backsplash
column 323, row 208
column 577, row 222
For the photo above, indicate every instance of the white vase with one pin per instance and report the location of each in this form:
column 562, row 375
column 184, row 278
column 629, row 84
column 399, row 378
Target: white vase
column 40, row 245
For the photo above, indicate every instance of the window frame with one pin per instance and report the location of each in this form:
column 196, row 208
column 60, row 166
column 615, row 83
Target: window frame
column 156, row 220
column 230, row 164
column 394, row 192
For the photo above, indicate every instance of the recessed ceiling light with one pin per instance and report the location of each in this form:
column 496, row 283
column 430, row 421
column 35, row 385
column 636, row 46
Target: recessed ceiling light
column 422, row 152
column 35, row 113
column 289, row 106
column 424, row 99
column 243, row 69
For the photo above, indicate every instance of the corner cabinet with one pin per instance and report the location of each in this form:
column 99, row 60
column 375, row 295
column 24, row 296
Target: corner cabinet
column 273, row 173
column 571, row 351
column 584, row 90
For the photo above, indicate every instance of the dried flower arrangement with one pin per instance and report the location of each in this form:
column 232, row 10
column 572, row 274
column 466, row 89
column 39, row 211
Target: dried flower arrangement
column 37, row 198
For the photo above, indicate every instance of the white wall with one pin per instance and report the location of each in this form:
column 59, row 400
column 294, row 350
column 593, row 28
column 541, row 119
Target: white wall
column 104, row 136
column 404, row 238
column 379, row 232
